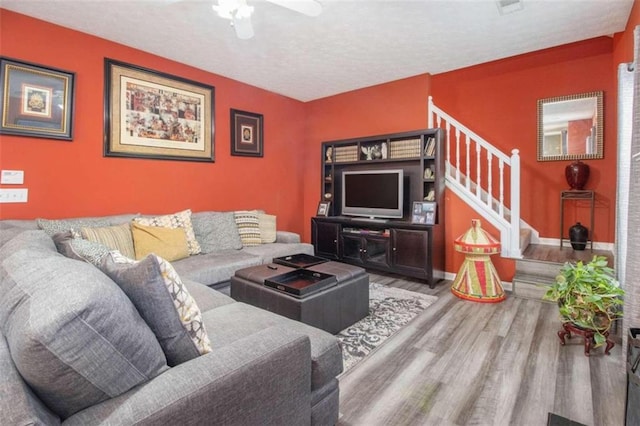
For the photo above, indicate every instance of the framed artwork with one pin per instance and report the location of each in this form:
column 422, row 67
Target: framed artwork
column 246, row 133
column 423, row 212
column 37, row 101
column 149, row 114
column 323, row 208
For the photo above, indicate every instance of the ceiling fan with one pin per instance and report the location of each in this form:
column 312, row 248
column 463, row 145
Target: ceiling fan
column 239, row 12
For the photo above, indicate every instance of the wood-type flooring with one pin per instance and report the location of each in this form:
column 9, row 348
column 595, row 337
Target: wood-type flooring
column 467, row 363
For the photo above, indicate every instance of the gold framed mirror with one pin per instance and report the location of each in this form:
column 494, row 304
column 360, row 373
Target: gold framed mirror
column 570, row 127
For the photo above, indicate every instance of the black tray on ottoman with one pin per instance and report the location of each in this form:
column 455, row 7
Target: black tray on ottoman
column 301, row 282
column 299, row 260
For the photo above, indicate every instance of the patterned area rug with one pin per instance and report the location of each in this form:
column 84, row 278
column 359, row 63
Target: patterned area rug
column 389, row 310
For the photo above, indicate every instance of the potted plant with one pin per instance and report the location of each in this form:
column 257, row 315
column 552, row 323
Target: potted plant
column 589, row 296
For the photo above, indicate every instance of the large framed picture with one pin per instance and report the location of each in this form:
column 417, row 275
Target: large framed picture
column 246, row 133
column 37, row 101
column 149, row 114
column 424, row 212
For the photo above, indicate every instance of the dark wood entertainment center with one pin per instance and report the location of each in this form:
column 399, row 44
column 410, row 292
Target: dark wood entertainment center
column 394, row 245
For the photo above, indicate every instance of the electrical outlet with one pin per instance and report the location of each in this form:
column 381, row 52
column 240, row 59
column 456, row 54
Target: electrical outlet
column 14, row 195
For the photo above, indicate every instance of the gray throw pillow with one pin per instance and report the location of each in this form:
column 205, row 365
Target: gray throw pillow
column 164, row 302
column 216, row 231
column 54, row 226
column 73, row 335
column 79, row 249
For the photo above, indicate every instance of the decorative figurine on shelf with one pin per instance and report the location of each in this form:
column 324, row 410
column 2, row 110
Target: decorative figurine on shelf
column 430, row 196
column 384, row 151
column 329, row 154
column 428, row 173
column 372, row 152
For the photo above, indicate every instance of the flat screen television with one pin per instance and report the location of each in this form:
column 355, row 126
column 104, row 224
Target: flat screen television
column 373, row 193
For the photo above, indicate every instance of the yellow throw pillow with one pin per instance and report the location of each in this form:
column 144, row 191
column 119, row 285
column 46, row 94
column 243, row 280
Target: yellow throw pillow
column 115, row 237
column 168, row 243
column 177, row 220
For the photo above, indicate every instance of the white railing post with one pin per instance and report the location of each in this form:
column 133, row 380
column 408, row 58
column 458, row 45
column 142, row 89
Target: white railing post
column 515, row 201
column 430, row 112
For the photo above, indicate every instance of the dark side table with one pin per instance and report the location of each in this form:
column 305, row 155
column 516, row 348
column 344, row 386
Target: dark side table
column 577, row 195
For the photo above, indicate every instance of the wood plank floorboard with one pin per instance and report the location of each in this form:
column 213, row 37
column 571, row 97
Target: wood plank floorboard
column 466, row 363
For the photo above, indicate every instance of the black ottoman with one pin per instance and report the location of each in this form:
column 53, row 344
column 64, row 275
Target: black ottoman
column 332, row 309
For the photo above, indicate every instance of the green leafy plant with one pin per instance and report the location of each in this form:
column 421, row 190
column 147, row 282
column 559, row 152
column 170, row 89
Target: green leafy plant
column 588, row 295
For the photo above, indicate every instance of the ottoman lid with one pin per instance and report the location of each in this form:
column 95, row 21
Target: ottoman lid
column 259, row 273
column 342, row 271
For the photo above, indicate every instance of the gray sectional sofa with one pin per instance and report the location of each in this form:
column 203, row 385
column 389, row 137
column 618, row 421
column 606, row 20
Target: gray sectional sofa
column 74, row 349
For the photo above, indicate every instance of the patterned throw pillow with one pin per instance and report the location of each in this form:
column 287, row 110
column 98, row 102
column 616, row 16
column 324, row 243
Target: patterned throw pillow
column 177, row 220
column 115, row 237
column 168, row 243
column 164, row 302
column 79, row 249
column 248, row 228
column 267, row 224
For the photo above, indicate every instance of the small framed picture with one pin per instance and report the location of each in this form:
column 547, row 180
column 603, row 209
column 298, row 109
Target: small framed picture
column 37, row 101
column 246, row 134
column 423, row 212
column 323, row 208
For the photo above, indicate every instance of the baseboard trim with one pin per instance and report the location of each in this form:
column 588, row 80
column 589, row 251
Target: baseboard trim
column 556, row 242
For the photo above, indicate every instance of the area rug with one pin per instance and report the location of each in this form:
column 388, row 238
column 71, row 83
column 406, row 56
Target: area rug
column 389, row 310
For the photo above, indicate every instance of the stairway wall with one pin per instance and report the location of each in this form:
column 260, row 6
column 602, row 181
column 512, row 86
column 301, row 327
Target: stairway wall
column 498, row 101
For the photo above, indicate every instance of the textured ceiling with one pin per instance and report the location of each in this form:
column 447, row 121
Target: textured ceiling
column 352, row 44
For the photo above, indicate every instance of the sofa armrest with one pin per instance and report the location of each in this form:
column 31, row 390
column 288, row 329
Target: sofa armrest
column 287, row 237
column 264, row 378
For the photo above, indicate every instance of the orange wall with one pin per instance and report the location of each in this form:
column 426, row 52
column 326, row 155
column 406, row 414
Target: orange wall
column 498, row 100
column 387, row 108
column 74, row 179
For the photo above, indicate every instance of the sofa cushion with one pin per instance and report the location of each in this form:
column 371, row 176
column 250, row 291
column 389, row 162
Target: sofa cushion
column 117, row 237
column 18, row 404
column 168, row 243
column 164, row 302
column 79, row 248
column 248, row 228
column 74, row 336
column 268, row 251
column 206, row 297
column 177, row 220
column 216, row 267
column 239, row 320
column 267, row 224
column 216, row 231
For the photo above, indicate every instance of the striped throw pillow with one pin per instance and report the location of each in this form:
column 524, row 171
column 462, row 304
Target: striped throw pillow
column 248, row 228
column 115, row 237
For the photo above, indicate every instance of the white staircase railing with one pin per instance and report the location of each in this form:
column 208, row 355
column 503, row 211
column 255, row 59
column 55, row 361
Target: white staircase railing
column 482, row 181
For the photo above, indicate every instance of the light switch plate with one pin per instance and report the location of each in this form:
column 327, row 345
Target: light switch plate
column 17, row 195
column 12, row 177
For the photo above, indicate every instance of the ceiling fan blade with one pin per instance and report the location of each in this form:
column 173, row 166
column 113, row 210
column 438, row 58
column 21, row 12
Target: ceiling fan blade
column 306, row 7
column 243, row 27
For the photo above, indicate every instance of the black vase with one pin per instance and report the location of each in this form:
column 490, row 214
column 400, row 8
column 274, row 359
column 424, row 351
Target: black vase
column 578, row 235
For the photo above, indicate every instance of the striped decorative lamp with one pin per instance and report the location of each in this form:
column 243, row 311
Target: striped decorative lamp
column 477, row 279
